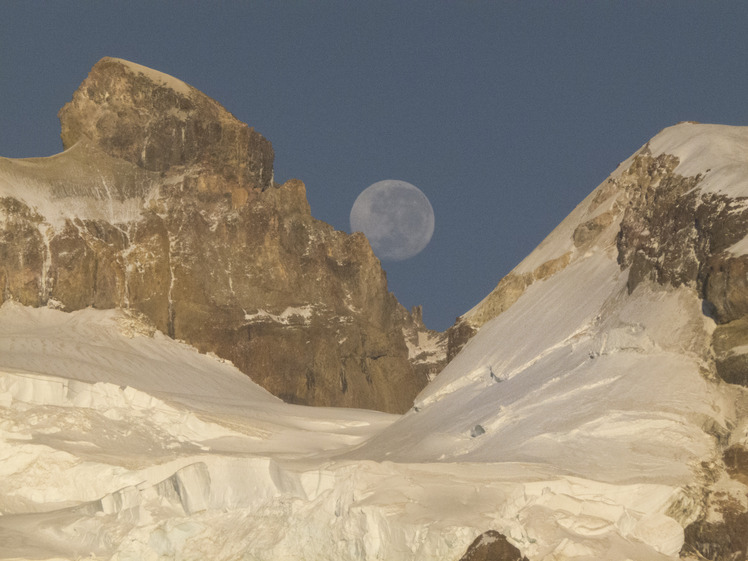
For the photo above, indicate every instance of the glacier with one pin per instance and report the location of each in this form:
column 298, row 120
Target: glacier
column 582, row 422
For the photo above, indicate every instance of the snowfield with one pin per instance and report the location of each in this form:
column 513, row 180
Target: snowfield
column 128, row 445
column 578, row 423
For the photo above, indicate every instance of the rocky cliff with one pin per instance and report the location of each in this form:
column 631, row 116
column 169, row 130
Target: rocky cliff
column 164, row 203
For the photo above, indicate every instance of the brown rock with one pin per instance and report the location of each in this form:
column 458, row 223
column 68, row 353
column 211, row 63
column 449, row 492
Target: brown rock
column 719, row 541
column 588, row 231
column 736, row 462
column 492, row 546
column 726, row 286
column 22, row 253
column 730, row 344
column 673, row 234
column 157, row 122
column 721, row 532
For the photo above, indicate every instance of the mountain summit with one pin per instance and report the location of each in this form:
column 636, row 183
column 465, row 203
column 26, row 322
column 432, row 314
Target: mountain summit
column 164, row 203
column 673, row 214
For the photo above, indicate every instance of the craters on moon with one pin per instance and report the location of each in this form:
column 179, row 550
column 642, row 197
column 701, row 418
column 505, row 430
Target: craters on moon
column 396, row 217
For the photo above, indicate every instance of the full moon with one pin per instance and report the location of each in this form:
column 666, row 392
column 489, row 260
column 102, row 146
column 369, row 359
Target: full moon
column 396, row 217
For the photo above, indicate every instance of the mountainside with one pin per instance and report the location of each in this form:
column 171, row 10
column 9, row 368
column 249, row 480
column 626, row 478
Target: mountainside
column 595, row 406
column 616, row 351
column 163, row 203
column 675, row 209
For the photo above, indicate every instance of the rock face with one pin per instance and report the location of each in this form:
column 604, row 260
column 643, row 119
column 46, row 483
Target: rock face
column 157, row 122
column 721, row 533
column 675, row 234
column 492, row 546
column 164, row 203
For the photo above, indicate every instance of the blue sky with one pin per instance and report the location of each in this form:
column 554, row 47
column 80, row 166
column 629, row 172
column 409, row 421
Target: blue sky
column 505, row 114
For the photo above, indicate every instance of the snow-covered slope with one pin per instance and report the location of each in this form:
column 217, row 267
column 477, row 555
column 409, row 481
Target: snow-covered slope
column 583, row 421
column 604, row 391
column 76, row 185
column 150, row 461
column 111, row 429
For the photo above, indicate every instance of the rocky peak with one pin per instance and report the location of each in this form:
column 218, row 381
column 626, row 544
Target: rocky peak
column 157, row 122
column 163, row 203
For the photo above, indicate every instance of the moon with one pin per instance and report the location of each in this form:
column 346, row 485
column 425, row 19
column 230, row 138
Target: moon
column 396, row 217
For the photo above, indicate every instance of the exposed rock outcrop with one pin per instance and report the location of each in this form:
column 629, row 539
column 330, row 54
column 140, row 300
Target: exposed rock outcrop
column 153, row 120
column 165, row 204
column 427, row 349
column 492, row 546
column 721, row 532
column 675, row 234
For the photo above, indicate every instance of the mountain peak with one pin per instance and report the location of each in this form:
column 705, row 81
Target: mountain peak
column 672, row 212
column 715, row 152
column 158, row 122
column 163, row 203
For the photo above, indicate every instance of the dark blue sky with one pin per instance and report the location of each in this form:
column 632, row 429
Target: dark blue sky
column 506, row 114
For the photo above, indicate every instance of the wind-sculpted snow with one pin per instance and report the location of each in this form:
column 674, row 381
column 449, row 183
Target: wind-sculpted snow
column 602, row 386
column 715, row 152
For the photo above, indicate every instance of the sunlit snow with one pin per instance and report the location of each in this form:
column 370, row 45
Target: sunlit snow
column 575, row 423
